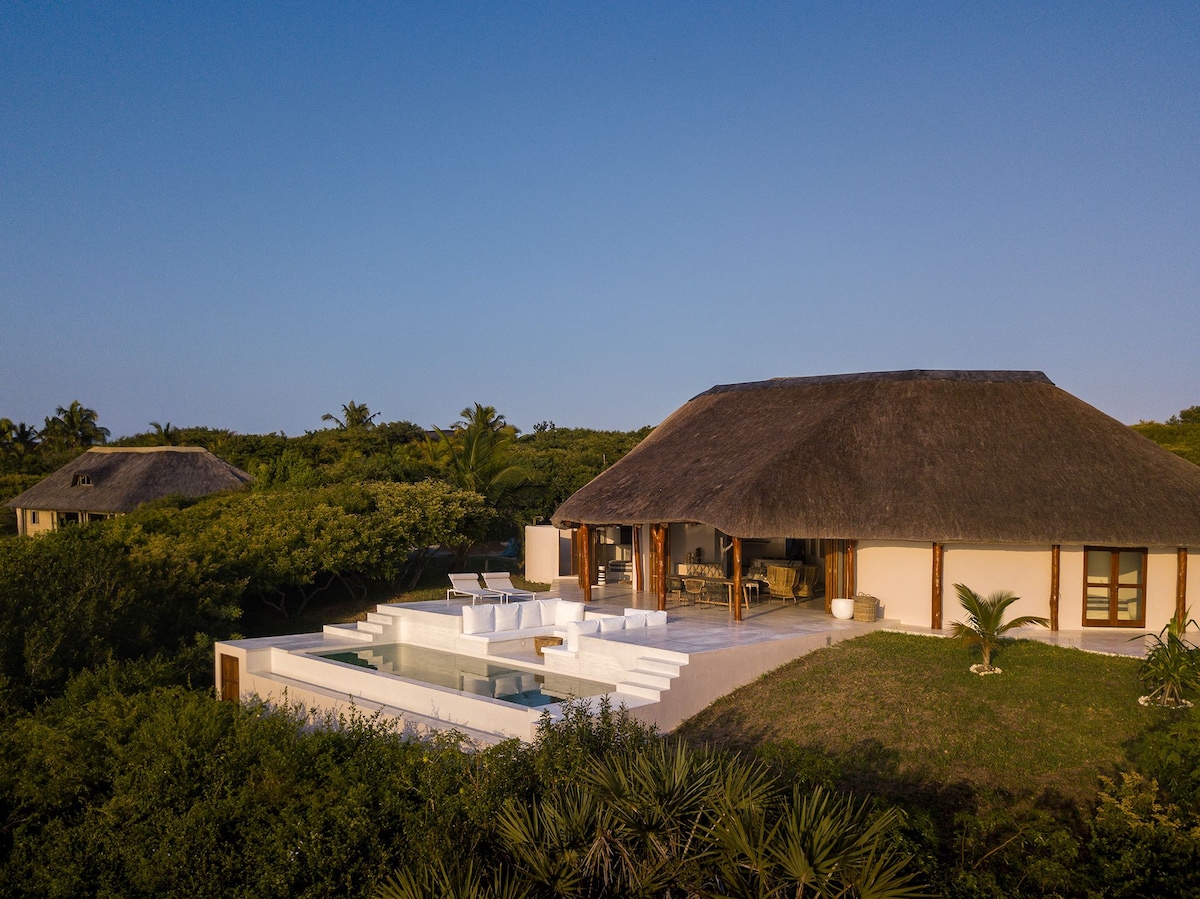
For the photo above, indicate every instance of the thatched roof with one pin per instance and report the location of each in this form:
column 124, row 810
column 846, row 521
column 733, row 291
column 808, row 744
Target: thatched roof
column 946, row 456
column 122, row 478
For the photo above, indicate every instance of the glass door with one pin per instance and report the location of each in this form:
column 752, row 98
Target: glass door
column 1115, row 589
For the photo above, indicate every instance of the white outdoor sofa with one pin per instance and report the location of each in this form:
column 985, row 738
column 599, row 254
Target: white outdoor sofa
column 511, row 627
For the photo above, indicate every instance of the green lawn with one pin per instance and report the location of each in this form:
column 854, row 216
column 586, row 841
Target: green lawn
column 898, row 713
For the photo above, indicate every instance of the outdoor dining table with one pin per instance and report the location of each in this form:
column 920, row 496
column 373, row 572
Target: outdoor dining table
column 749, row 585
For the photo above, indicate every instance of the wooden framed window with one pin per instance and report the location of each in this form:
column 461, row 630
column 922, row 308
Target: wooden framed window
column 1114, row 591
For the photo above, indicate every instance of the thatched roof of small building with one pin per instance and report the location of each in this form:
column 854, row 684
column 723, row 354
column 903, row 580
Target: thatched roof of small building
column 945, row 456
column 122, row 478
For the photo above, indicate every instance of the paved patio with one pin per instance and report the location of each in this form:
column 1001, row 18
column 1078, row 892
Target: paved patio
column 700, row 628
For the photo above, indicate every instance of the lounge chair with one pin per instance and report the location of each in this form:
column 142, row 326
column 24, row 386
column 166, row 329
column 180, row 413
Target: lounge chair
column 501, row 582
column 468, row 585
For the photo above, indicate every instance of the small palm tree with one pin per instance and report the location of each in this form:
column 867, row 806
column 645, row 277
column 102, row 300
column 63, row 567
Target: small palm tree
column 985, row 623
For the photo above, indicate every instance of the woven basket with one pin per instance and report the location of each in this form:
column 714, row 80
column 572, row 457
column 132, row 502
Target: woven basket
column 866, row 608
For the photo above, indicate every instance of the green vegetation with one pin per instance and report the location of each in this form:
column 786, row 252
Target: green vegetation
column 1002, row 780
column 985, row 624
column 121, row 775
column 1180, row 434
column 1171, row 667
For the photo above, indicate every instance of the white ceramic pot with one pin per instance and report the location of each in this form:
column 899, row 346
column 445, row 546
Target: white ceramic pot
column 843, row 609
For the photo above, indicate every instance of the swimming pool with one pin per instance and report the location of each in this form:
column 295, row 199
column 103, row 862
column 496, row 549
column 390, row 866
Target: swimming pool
column 466, row 674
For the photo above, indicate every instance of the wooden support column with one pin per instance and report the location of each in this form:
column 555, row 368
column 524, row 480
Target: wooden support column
column 658, row 534
column 737, row 578
column 1181, row 586
column 639, row 571
column 939, row 571
column 1055, row 583
column 585, row 562
column 851, row 567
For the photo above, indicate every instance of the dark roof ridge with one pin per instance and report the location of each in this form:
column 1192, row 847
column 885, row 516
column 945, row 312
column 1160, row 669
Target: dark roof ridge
column 914, row 374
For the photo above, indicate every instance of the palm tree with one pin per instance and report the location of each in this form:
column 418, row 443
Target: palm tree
column 165, row 435
column 477, row 455
column 985, row 623
column 353, row 417
column 75, row 426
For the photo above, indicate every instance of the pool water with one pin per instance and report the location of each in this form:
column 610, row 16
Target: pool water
column 471, row 675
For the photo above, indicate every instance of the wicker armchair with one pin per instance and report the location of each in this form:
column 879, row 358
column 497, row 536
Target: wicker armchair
column 792, row 583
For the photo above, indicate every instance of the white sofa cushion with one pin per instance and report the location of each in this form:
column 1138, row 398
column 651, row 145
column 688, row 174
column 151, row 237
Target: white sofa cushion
column 479, row 619
column 635, row 620
column 566, row 612
column 656, row 619
column 508, row 616
column 611, row 623
column 549, row 609
column 530, row 614
column 576, row 629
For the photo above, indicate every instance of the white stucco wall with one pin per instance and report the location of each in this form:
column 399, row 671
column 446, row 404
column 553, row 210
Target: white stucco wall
column 544, row 552
column 900, row 575
column 1024, row 570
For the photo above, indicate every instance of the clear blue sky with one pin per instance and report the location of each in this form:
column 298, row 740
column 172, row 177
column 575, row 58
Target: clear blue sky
column 244, row 215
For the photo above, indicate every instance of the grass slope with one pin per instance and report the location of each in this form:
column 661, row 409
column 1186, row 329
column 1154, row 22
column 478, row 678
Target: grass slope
column 897, row 711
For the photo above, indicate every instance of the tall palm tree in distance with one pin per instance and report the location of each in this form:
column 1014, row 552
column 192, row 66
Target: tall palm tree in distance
column 74, row 427
column 353, row 417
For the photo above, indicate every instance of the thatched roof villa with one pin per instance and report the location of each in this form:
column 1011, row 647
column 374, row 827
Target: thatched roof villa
column 899, row 484
column 107, row 481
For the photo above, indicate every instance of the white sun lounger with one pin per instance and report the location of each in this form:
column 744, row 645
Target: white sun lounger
column 468, row 585
column 501, row 582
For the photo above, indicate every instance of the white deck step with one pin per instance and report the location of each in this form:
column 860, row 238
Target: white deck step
column 645, row 692
column 660, row 666
column 377, row 618
column 348, row 632
column 654, row 679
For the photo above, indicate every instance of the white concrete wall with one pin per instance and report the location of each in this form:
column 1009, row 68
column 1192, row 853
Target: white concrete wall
column 900, row 575
column 1023, row 570
column 1162, row 580
column 544, row 552
column 1070, row 588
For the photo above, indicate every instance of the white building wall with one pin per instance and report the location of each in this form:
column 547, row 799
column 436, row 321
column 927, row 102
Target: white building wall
column 900, row 576
column 1162, row 580
column 1070, row 588
column 544, row 553
column 1023, row 570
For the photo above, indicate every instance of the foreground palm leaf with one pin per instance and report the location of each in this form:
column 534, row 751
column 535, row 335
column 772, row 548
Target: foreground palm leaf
column 985, row 623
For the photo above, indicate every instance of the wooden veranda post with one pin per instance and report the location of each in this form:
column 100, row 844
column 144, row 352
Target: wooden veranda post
column 585, row 562
column 851, row 568
column 658, row 533
column 737, row 578
column 1055, row 582
column 1181, row 586
column 939, row 569
column 639, row 575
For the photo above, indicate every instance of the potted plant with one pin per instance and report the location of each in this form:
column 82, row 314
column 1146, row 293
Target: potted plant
column 985, row 623
column 1171, row 666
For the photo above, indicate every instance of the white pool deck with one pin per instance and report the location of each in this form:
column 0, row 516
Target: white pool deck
column 663, row 675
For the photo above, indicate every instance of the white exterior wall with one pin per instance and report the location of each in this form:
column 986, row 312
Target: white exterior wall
column 1023, row 570
column 1162, row 580
column 1070, row 588
column 547, row 552
column 900, row 575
